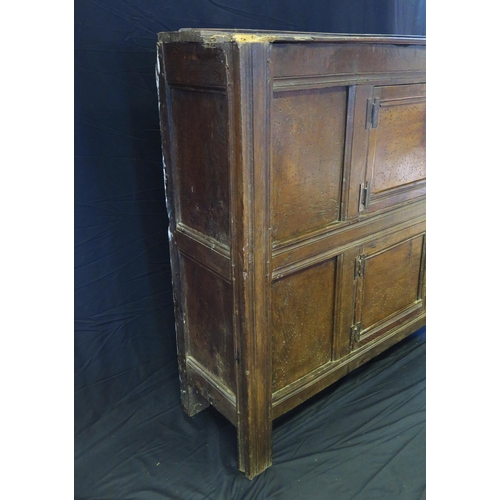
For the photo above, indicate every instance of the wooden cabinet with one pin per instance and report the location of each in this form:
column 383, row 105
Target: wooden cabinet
column 295, row 182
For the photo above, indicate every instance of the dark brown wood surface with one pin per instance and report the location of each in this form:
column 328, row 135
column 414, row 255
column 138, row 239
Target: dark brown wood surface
column 295, row 183
column 302, row 302
column 308, row 134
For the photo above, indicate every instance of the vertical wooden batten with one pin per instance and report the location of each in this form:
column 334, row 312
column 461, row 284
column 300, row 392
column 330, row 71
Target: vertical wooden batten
column 253, row 255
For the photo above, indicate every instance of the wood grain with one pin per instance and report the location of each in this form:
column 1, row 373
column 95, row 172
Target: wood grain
column 308, row 133
column 302, row 328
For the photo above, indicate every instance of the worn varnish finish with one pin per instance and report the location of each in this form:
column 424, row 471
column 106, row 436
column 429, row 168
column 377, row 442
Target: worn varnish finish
column 295, row 183
column 308, row 133
column 302, row 303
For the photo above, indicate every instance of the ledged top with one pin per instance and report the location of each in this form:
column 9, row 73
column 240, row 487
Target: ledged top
column 255, row 36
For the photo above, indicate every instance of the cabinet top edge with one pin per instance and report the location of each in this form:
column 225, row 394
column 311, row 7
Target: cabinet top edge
column 262, row 36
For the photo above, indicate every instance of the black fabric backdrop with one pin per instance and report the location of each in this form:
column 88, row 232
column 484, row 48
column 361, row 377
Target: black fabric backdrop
column 362, row 438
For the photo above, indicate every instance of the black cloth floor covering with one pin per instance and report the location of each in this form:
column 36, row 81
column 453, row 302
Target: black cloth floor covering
column 361, row 438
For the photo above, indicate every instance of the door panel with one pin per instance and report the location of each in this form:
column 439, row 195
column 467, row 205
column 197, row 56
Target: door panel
column 391, row 280
column 399, row 148
column 389, row 284
column 394, row 165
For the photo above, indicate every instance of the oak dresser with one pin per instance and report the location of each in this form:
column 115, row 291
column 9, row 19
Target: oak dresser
column 295, row 182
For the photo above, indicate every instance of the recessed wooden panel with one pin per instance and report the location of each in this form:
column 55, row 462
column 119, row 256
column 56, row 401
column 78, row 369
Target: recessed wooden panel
column 399, row 156
column 200, row 128
column 193, row 64
column 209, row 307
column 391, row 281
column 302, row 322
column 302, row 59
column 395, row 160
column 308, row 130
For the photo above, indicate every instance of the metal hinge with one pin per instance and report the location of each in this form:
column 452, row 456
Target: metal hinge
column 364, row 195
column 355, row 333
column 359, row 266
column 372, row 113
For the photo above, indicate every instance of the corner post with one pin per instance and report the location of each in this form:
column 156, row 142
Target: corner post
column 251, row 252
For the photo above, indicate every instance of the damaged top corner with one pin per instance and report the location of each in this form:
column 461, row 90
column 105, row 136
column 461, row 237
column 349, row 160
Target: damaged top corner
column 215, row 36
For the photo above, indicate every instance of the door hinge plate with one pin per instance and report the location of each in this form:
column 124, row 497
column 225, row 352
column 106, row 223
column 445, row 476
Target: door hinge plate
column 355, row 333
column 364, row 196
column 372, row 111
column 359, row 267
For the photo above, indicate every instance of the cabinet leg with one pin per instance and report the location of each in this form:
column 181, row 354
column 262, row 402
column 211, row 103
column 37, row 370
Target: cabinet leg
column 192, row 402
column 254, row 447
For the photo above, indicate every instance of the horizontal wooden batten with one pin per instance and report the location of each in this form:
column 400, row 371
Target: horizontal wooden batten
column 334, row 242
column 380, row 344
column 399, row 102
column 291, row 83
column 395, row 319
column 296, row 393
column 396, row 93
column 212, row 389
column 417, row 187
column 386, row 199
column 205, row 250
column 406, row 212
column 221, row 89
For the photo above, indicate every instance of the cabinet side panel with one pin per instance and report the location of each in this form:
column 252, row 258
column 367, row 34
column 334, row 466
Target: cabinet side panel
column 200, row 130
column 208, row 315
column 303, row 309
column 194, row 94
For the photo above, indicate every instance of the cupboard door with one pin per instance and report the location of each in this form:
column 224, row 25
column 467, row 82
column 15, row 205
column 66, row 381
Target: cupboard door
column 389, row 284
column 392, row 170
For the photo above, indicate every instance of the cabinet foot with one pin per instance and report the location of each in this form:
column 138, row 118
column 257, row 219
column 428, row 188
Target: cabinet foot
column 192, row 402
column 254, row 452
